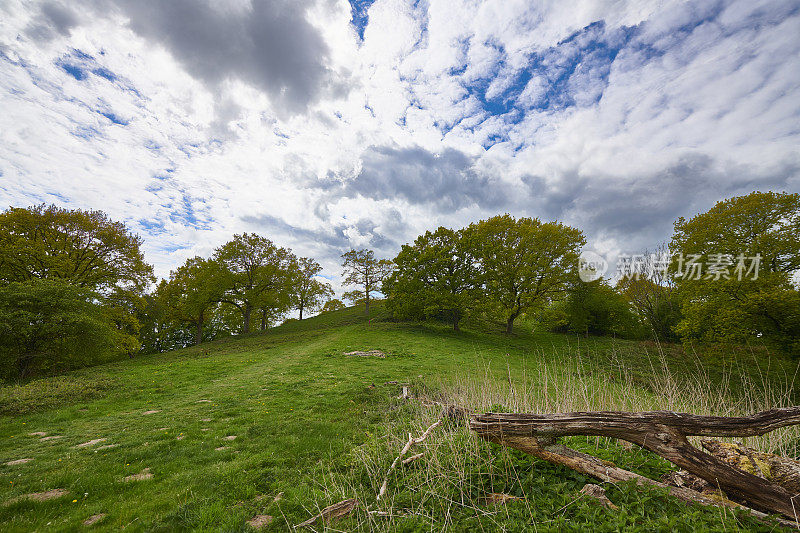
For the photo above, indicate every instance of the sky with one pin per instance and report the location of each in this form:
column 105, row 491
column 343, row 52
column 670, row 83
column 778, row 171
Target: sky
column 326, row 125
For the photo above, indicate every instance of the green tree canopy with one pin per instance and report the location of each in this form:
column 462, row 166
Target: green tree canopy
column 48, row 325
column 309, row 293
column 525, row 262
column 434, row 276
column 191, row 293
column 362, row 269
column 84, row 248
column 255, row 275
column 717, row 304
column 592, row 308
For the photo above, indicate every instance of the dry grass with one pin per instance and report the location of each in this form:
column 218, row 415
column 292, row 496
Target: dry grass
column 458, row 470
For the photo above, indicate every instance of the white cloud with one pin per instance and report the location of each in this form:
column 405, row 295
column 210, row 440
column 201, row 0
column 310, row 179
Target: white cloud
column 657, row 110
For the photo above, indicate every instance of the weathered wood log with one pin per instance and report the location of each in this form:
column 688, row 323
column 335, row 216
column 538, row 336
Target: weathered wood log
column 664, row 433
column 332, row 512
column 780, row 470
column 605, row 471
column 598, row 494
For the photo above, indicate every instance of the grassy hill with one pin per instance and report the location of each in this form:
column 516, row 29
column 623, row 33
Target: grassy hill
column 316, row 426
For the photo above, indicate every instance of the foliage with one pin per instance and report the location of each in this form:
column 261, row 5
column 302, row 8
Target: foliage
column 309, row 293
column 719, row 306
column 651, row 292
column 362, row 269
column 592, row 308
column 434, row 276
column 51, row 325
column 254, row 274
column 525, row 262
column 191, row 293
column 332, row 305
column 84, row 248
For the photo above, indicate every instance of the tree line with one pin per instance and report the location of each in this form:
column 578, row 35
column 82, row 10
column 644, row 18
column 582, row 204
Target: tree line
column 75, row 288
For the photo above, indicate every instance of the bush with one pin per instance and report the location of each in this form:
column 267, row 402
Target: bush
column 592, row 308
column 49, row 325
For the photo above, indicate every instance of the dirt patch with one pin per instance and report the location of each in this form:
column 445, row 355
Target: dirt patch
column 205, row 420
column 152, row 412
column 204, row 429
column 92, row 520
column 229, row 437
column 40, row 496
column 259, row 521
column 180, row 437
column 141, row 476
column 368, row 353
column 37, row 434
column 52, row 437
column 18, row 462
column 221, row 448
column 90, row 443
column 203, row 401
column 107, row 447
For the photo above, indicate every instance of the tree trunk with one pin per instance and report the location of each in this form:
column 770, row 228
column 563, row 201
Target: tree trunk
column 301, row 312
column 663, row 433
column 198, row 334
column 510, row 324
column 455, row 324
column 263, row 319
column 367, row 293
column 248, row 310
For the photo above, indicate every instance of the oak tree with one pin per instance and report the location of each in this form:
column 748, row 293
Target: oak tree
column 525, row 262
column 362, row 269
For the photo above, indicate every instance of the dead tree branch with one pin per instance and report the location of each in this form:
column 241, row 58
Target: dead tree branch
column 411, row 442
column 661, row 432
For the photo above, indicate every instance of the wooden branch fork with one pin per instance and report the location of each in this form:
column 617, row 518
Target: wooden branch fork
column 661, row 432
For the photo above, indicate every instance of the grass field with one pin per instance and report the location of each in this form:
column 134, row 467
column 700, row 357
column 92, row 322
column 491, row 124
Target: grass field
column 316, row 426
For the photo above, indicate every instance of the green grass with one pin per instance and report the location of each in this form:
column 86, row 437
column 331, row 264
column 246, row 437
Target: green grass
column 319, row 426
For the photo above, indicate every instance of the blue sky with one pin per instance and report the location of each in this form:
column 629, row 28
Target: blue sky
column 327, row 124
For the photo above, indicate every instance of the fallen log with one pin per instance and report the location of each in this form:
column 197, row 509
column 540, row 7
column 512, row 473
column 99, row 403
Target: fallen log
column 782, row 471
column 663, row 433
column 332, row 512
column 608, row 472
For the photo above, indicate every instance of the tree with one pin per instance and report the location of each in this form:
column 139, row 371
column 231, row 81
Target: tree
column 254, row 274
column 436, row 275
column 360, row 268
column 48, row 325
column 592, row 308
column 651, row 292
column 332, row 305
column 525, row 262
column 728, row 301
column 191, row 293
column 309, row 292
column 84, row 248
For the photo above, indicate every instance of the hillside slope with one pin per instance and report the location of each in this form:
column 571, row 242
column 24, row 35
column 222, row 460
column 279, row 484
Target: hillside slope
column 217, row 432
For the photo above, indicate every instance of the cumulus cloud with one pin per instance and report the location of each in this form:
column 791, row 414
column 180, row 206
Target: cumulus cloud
column 326, row 125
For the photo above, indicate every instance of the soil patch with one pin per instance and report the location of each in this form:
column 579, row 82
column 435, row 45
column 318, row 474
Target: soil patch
column 90, row 443
column 92, row 520
column 144, row 474
column 369, row 353
column 19, row 462
column 259, row 521
column 40, row 496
